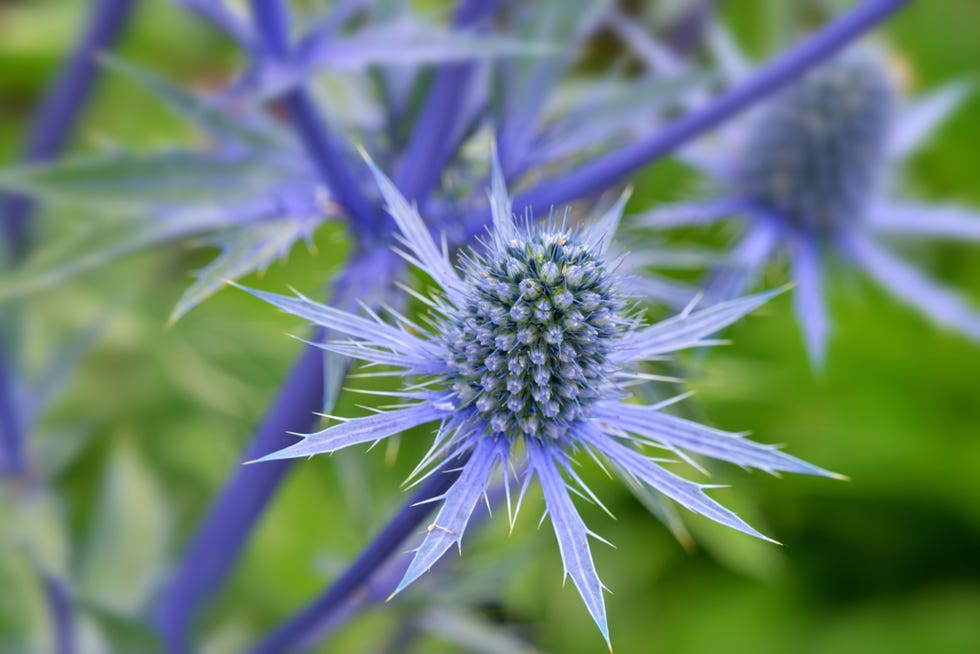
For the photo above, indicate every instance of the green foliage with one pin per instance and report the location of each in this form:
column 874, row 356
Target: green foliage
column 157, row 417
column 124, row 555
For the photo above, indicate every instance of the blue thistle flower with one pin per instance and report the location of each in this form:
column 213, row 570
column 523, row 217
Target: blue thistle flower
column 811, row 172
column 529, row 355
column 813, row 155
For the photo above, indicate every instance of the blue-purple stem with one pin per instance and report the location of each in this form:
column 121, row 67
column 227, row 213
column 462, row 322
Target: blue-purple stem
column 333, row 165
column 59, row 111
column 62, row 614
column 375, row 590
column 601, row 173
column 13, row 457
column 431, row 139
column 379, row 587
column 432, row 135
column 302, row 628
column 332, row 162
column 54, row 121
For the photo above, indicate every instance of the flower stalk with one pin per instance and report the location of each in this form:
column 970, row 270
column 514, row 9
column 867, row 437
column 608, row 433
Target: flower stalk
column 55, row 119
column 59, row 601
column 431, row 139
column 300, row 630
column 272, row 22
column 61, row 108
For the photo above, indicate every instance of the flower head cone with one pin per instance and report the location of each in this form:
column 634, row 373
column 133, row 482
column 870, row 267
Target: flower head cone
column 529, row 354
column 813, row 172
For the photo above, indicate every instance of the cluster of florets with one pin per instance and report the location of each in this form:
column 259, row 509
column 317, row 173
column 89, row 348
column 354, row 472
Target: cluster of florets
column 814, row 154
column 528, row 350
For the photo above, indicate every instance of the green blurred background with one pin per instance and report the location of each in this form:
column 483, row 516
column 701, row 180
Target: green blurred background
column 155, row 418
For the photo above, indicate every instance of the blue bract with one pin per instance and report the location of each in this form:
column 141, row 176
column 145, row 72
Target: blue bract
column 529, row 358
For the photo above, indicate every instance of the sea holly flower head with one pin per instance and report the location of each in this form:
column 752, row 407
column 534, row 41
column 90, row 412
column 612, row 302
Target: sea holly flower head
column 529, row 356
column 529, row 349
column 812, row 171
column 814, row 153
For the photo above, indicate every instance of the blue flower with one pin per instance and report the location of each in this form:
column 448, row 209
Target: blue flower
column 529, row 354
column 811, row 172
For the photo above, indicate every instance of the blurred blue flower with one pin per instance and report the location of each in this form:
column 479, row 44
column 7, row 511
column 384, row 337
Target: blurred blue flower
column 529, row 354
column 812, row 172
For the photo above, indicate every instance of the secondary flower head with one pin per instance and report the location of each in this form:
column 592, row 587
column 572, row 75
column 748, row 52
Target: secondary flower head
column 811, row 171
column 530, row 355
column 814, row 153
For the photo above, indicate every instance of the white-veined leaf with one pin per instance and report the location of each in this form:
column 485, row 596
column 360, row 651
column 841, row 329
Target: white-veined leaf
column 244, row 251
column 138, row 180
